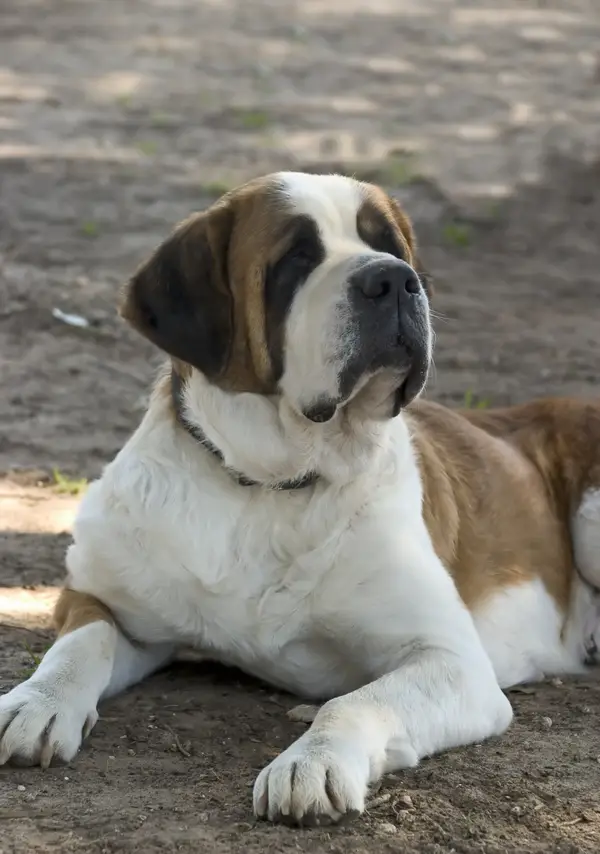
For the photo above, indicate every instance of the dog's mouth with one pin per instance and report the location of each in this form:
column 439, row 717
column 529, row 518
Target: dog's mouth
column 402, row 398
column 410, row 388
column 383, row 385
column 322, row 411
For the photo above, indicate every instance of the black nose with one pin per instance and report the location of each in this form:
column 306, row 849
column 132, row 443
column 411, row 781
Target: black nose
column 379, row 280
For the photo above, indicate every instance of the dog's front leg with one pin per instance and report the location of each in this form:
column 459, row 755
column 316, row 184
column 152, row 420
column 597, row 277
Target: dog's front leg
column 50, row 714
column 439, row 691
column 433, row 702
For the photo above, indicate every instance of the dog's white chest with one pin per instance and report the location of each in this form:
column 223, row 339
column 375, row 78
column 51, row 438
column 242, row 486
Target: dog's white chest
column 234, row 572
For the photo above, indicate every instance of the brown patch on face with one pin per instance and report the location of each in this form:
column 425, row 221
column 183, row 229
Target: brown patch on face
column 200, row 297
column 385, row 227
column 74, row 610
column 266, row 228
column 501, row 488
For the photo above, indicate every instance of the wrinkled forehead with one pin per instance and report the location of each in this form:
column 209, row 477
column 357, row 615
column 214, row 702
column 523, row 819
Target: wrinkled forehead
column 341, row 207
column 332, row 201
column 271, row 212
column 337, row 210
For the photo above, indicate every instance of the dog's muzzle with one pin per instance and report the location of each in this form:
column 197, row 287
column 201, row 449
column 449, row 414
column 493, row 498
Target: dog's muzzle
column 388, row 331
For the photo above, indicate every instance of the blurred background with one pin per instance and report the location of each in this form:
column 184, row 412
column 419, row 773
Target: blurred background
column 117, row 119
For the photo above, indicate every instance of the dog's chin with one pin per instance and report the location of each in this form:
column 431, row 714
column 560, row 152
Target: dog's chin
column 378, row 397
column 381, row 398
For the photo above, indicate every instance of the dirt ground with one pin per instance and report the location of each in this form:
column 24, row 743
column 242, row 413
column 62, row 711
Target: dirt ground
column 115, row 121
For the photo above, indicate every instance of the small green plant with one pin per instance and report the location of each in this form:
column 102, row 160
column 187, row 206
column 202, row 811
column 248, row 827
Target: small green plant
column 457, row 234
column 147, row 147
column 35, row 657
column 217, row 187
column 494, row 209
column 89, row 228
column 253, row 119
column 471, row 401
column 124, row 100
column 397, row 170
column 160, row 119
column 67, row 485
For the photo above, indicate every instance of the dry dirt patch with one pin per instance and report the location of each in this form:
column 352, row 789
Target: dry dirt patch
column 114, row 125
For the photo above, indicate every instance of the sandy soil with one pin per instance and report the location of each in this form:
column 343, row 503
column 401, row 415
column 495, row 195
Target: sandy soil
column 115, row 121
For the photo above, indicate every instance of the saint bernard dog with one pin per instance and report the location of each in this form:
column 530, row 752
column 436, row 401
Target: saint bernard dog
column 289, row 506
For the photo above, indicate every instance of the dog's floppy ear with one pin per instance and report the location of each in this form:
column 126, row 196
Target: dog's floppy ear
column 180, row 299
column 405, row 226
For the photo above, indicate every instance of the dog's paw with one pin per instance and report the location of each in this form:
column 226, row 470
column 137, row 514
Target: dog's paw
column 41, row 720
column 591, row 643
column 320, row 779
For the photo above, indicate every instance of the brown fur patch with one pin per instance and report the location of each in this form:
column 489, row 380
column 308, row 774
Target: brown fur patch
column 200, row 297
column 74, row 610
column 262, row 226
column 383, row 224
column 501, row 487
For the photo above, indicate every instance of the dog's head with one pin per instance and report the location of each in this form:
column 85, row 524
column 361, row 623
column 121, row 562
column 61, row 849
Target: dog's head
column 295, row 284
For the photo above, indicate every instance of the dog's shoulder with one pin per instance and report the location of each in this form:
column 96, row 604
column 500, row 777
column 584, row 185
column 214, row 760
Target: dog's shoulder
column 160, row 510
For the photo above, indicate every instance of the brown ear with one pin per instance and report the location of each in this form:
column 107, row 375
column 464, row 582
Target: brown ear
column 405, row 226
column 180, row 298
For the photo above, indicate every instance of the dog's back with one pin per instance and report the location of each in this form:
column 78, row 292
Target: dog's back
column 513, row 491
column 561, row 437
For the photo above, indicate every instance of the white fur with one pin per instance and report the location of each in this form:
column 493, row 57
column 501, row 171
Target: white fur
column 315, row 352
column 521, row 628
column 55, row 709
column 329, row 591
column 586, row 535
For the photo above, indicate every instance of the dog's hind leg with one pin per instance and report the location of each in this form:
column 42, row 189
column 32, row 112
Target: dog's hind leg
column 586, row 547
column 586, row 537
column 50, row 714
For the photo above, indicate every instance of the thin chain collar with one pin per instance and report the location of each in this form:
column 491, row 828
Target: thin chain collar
column 177, row 392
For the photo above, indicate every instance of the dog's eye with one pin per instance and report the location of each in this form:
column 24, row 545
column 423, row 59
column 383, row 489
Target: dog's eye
column 291, row 270
column 301, row 253
column 381, row 237
column 386, row 241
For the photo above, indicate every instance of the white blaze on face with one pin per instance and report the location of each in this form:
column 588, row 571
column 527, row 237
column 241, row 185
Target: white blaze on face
column 319, row 336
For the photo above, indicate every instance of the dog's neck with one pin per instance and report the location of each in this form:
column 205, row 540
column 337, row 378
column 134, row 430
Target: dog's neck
column 262, row 441
column 178, row 389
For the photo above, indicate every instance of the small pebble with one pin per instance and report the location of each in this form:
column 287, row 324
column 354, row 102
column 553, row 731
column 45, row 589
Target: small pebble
column 405, row 802
column 516, row 810
column 387, row 827
column 556, row 682
column 378, row 801
column 303, row 714
column 546, row 722
column 20, row 788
